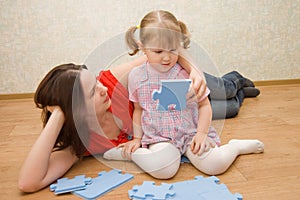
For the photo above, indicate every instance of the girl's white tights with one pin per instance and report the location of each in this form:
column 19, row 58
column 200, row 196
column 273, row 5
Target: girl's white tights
column 217, row 160
column 162, row 160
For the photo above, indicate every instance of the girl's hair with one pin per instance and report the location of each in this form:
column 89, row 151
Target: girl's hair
column 60, row 87
column 160, row 26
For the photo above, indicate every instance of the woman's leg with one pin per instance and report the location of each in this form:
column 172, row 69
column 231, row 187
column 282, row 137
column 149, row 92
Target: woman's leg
column 216, row 87
column 219, row 159
column 161, row 160
column 228, row 86
column 227, row 93
column 236, row 82
column 222, row 109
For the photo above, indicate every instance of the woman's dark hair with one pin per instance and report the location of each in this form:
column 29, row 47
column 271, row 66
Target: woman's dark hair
column 60, row 87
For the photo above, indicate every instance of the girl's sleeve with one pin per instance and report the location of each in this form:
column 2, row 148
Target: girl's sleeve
column 132, row 87
column 207, row 91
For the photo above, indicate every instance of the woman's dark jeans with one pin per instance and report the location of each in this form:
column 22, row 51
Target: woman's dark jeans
column 226, row 94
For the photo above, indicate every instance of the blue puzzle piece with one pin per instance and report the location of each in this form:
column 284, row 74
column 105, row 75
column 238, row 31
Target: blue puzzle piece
column 105, row 182
column 172, row 94
column 223, row 191
column 200, row 188
column 151, row 191
column 222, row 194
column 203, row 189
column 65, row 185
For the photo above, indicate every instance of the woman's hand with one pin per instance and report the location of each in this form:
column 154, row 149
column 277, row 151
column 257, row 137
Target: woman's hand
column 130, row 147
column 198, row 85
column 54, row 108
column 57, row 110
column 201, row 143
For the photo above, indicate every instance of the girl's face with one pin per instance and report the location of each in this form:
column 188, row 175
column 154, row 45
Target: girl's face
column 162, row 59
column 96, row 97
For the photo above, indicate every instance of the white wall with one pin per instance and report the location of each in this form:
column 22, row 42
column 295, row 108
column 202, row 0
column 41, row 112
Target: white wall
column 259, row 38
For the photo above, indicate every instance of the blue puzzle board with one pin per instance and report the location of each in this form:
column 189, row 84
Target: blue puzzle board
column 102, row 184
column 151, row 191
column 198, row 189
column 172, row 94
column 65, row 185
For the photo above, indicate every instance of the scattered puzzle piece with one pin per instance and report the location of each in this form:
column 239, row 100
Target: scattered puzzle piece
column 65, row 185
column 151, row 191
column 200, row 188
column 222, row 194
column 105, row 182
column 192, row 189
column 172, row 94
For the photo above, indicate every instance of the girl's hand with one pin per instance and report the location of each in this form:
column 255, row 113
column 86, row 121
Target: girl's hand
column 201, row 143
column 130, row 147
column 198, row 86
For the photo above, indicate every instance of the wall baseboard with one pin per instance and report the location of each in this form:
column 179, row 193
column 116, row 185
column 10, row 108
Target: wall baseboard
column 277, row 82
column 16, row 96
column 257, row 83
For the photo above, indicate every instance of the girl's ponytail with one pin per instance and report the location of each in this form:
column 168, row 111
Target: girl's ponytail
column 131, row 42
column 185, row 34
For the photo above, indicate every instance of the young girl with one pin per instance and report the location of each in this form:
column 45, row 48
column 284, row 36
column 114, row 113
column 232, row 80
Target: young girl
column 166, row 135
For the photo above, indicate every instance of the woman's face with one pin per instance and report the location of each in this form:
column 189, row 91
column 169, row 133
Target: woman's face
column 96, row 97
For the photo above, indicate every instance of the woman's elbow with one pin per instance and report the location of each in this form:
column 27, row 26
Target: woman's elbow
column 28, row 186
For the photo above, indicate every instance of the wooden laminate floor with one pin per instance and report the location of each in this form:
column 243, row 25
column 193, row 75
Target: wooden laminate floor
column 273, row 117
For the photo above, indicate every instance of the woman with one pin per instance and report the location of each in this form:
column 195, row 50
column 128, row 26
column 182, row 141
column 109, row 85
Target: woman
column 62, row 89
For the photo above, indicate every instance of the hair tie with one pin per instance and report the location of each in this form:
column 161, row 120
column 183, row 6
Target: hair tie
column 138, row 26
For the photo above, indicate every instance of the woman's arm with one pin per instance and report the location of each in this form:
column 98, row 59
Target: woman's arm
column 42, row 166
column 196, row 75
column 121, row 71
